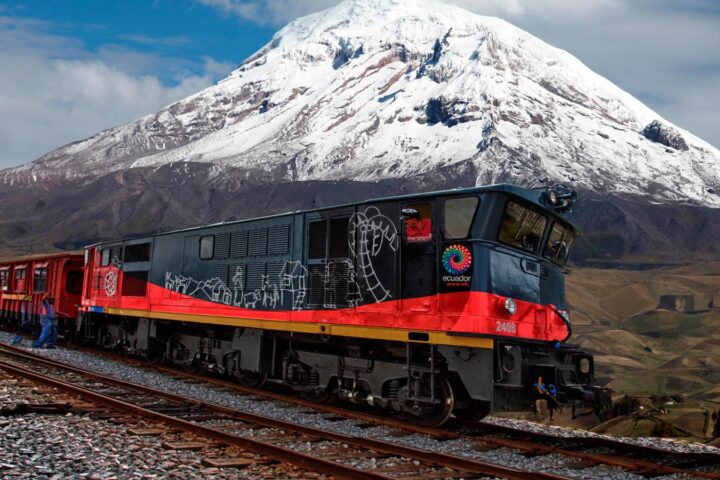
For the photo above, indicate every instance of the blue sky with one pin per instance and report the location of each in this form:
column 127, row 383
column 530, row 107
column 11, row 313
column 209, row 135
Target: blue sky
column 181, row 32
column 71, row 68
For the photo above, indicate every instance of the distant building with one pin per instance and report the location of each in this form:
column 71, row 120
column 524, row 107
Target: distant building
column 677, row 303
column 715, row 302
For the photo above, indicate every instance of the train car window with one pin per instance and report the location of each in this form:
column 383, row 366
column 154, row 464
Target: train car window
column 40, row 280
column 137, row 253
column 459, row 215
column 522, row 227
column 4, row 280
column 73, row 282
column 105, row 257
column 20, row 274
column 417, row 218
column 559, row 243
column 317, row 245
column 207, row 247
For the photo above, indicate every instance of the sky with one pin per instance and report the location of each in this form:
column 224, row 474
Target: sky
column 71, row 68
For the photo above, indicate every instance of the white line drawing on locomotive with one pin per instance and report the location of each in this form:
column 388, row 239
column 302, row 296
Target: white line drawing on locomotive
column 292, row 277
column 293, row 280
column 110, row 283
column 375, row 231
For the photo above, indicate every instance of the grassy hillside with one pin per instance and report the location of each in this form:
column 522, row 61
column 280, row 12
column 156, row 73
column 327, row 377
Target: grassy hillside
column 644, row 349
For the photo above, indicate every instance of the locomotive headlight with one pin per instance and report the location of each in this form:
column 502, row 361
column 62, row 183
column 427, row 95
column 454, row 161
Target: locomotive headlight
column 510, row 306
column 552, row 197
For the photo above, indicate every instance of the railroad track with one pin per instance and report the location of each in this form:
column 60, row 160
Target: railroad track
column 587, row 451
column 581, row 452
column 330, row 453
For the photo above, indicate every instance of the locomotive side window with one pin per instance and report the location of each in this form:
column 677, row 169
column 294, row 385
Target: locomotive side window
column 522, row 227
column 417, row 220
column 137, row 253
column 459, row 215
column 207, row 247
column 559, row 243
column 40, row 280
column 105, row 257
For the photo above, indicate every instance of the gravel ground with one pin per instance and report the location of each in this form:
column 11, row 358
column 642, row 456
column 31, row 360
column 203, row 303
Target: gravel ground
column 248, row 403
column 67, row 446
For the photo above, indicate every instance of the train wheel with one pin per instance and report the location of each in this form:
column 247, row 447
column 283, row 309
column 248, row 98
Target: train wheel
column 432, row 415
column 191, row 366
column 249, row 379
column 317, row 396
column 156, row 352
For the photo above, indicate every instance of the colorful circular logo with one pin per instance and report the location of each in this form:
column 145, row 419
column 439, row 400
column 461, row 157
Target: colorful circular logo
column 456, row 259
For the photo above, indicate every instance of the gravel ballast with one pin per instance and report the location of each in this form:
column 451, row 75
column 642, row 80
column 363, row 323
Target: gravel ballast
column 248, row 403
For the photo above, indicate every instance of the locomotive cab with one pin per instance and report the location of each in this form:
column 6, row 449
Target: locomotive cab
column 526, row 246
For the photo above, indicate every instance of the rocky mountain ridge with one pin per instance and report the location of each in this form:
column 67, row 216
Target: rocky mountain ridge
column 373, row 98
column 377, row 89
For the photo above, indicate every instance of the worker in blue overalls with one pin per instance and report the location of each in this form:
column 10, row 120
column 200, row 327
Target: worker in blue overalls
column 48, row 317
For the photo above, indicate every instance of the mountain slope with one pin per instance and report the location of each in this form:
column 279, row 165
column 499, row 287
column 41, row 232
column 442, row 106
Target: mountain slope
column 382, row 89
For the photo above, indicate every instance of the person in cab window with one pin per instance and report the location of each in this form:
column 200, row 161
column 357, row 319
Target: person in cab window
column 417, row 229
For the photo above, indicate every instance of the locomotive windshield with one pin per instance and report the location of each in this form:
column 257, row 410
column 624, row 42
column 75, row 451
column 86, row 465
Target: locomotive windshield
column 559, row 244
column 522, row 227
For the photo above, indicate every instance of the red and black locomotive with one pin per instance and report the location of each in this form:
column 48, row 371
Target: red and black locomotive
column 426, row 304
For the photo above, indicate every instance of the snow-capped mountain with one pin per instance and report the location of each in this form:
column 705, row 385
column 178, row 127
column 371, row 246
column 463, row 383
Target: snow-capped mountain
column 374, row 89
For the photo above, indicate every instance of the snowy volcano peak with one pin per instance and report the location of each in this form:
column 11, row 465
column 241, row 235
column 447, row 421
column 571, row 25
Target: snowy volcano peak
column 373, row 89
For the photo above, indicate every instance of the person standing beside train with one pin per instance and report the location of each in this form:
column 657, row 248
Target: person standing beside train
column 48, row 319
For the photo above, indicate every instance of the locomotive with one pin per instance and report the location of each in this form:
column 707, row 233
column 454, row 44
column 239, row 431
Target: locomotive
column 425, row 305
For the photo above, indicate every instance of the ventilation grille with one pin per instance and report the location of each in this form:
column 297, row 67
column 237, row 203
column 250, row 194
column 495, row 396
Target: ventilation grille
column 258, row 242
column 339, row 237
column 279, row 240
column 255, row 273
column 273, row 272
column 336, row 285
column 238, row 244
column 222, row 245
column 316, row 285
column 316, row 239
column 220, row 271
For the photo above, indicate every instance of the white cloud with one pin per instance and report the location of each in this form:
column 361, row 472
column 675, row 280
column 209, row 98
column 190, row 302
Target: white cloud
column 269, row 12
column 53, row 91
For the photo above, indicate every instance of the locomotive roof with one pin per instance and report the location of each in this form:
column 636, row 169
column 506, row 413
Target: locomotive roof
column 531, row 195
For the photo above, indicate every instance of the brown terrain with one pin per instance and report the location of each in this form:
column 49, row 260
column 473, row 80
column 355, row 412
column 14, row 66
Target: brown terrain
column 654, row 332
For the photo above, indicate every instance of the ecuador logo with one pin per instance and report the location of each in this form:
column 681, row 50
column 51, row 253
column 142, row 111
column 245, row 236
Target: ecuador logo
column 456, row 259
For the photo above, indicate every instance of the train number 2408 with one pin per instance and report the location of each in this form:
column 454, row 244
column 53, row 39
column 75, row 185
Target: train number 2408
column 505, row 327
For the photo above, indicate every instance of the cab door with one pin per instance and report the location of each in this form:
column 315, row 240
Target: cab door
column 418, row 270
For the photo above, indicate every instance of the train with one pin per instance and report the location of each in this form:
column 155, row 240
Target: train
column 427, row 305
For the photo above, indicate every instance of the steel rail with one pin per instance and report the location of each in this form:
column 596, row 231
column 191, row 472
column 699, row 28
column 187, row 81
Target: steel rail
column 465, row 465
column 542, row 441
column 271, row 451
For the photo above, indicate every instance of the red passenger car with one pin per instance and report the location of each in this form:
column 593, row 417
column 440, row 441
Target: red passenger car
column 25, row 281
